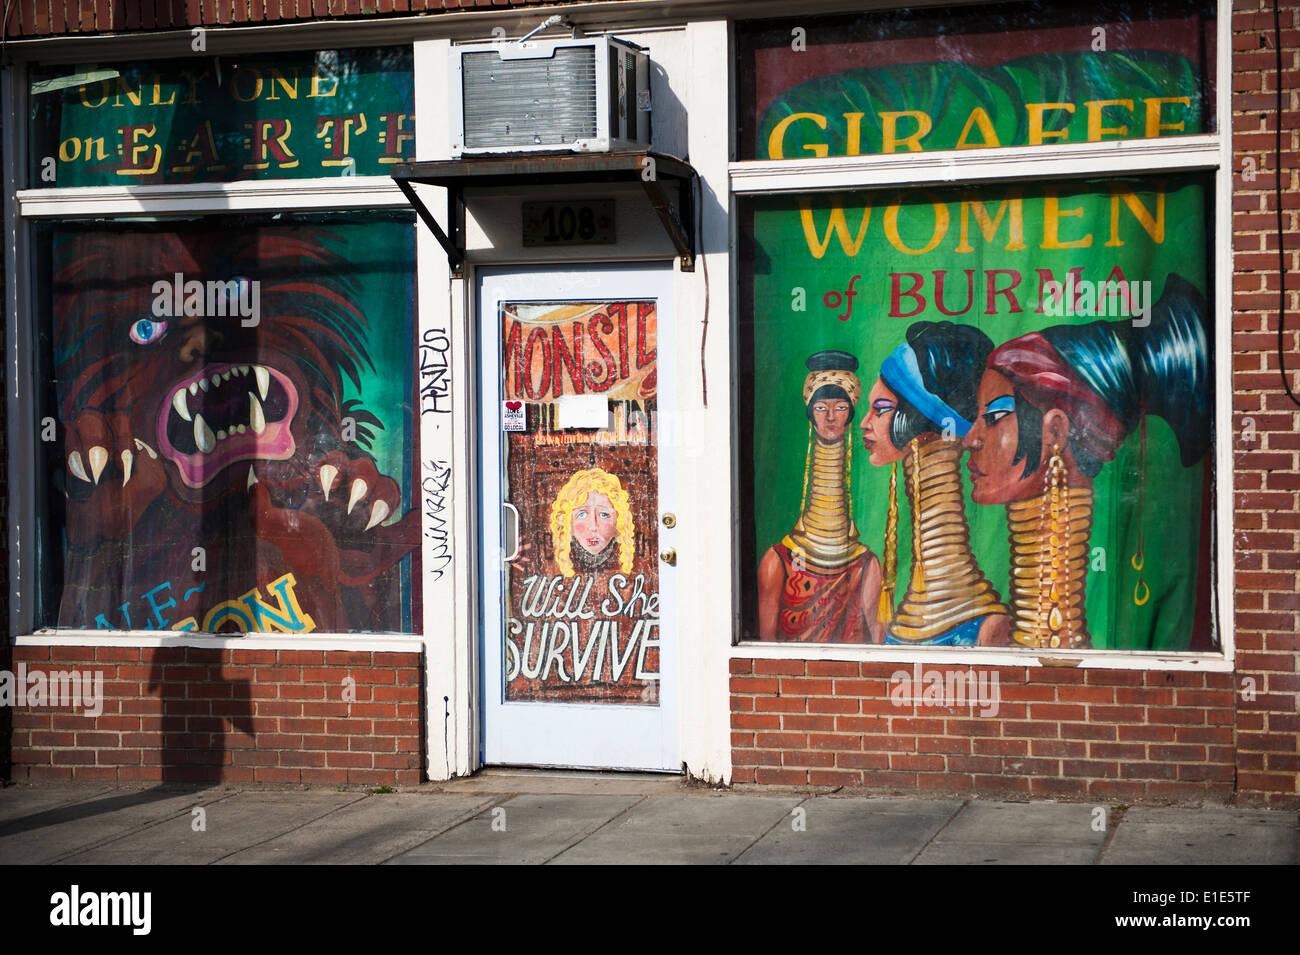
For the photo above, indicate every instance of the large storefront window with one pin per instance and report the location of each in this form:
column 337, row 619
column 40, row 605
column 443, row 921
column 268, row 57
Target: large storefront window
column 978, row 414
column 225, row 403
column 234, row 398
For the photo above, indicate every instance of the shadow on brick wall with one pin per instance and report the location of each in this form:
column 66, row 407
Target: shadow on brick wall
column 197, row 710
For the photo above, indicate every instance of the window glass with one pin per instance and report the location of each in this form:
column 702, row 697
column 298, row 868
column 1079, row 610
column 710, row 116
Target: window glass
column 970, row 77
column 293, row 115
column 979, row 414
column 226, row 417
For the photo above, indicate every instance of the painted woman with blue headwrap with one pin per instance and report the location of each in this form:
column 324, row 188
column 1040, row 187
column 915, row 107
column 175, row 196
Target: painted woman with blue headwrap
column 920, row 408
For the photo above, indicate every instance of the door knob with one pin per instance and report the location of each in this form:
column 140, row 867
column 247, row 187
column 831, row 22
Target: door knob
column 669, row 556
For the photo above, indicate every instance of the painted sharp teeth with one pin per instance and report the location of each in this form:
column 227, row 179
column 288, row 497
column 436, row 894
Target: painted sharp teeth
column 98, row 458
column 263, row 380
column 216, row 380
column 76, row 467
column 203, row 435
column 194, row 387
column 127, row 458
column 181, row 405
column 328, row 473
column 377, row 514
column 225, row 376
column 256, row 420
column 203, row 383
column 242, row 428
column 241, row 370
column 252, row 479
column 221, row 436
column 359, row 488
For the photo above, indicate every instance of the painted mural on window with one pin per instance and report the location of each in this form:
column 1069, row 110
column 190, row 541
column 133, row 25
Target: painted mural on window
column 1018, row 74
column 1030, row 406
column 230, row 403
column 978, row 415
column 582, row 621
column 289, row 115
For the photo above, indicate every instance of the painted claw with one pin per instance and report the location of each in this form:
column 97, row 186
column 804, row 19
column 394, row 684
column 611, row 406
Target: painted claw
column 359, row 488
column 98, row 459
column 77, row 468
column 127, row 459
column 141, row 446
column 378, row 513
column 328, row 473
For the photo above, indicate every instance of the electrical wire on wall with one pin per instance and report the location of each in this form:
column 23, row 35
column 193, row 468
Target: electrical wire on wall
column 4, row 35
column 1281, row 232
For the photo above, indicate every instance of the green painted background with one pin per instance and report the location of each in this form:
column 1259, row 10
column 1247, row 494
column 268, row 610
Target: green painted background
column 783, row 338
column 948, row 92
column 229, row 92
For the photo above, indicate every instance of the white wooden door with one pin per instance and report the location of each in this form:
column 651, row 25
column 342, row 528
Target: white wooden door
column 579, row 663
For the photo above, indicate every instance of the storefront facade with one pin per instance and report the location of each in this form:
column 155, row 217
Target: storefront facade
column 901, row 410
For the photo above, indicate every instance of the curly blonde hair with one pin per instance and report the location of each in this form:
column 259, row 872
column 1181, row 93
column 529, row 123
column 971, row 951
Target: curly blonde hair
column 576, row 490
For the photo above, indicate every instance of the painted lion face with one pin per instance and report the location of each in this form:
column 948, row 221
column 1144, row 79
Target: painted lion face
column 225, row 351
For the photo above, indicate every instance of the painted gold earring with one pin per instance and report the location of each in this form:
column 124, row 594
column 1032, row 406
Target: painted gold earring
column 918, row 567
column 1053, row 555
column 1138, row 560
column 885, row 613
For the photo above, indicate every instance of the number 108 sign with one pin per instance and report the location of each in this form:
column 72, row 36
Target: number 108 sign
column 569, row 223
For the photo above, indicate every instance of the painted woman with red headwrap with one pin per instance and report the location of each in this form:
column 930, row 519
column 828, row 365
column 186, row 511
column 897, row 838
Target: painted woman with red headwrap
column 1054, row 406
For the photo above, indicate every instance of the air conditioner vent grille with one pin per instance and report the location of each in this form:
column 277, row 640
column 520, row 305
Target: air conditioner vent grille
column 525, row 102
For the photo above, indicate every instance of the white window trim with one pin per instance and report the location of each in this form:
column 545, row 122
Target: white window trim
column 253, row 196
column 1020, row 163
column 26, row 206
column 144, row 639
column 1073, row 160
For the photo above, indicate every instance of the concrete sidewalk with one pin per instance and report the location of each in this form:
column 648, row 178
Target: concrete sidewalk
column 499, row 817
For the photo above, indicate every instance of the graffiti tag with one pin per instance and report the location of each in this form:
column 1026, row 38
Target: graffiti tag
column 437, row 478
column 435, row 372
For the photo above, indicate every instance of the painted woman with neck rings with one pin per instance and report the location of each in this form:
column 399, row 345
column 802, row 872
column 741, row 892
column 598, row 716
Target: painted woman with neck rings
column 920, row 407
column 820, row 584
column 1062, row 401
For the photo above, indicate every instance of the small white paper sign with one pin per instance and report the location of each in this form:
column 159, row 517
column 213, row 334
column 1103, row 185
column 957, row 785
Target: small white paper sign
column 582, row 411
column 513, row 416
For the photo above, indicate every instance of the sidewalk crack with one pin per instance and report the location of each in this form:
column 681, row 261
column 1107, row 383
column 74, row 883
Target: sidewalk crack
column 585, row 836
column 929, row 842
column 762, row 835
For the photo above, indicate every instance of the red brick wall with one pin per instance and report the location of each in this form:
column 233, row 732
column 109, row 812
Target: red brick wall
column 186, row 714
column 1267, row 474
column 1115, row 734
column 58, row 17
column 1057, row 732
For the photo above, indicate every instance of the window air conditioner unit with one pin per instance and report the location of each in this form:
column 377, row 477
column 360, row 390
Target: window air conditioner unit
column 589, row 94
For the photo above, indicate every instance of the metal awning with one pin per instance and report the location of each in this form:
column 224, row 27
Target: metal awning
column 657, row 173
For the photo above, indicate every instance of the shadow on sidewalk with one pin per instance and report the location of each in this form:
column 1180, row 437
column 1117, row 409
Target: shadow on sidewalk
column 60, row 815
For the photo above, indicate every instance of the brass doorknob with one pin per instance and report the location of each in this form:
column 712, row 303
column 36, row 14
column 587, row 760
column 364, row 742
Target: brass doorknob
column 669, row 556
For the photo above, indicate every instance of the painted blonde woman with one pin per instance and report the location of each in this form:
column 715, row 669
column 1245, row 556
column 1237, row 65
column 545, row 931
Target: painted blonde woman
column 821, row 584
column 591, row 524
